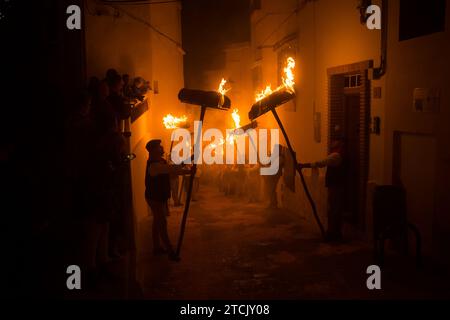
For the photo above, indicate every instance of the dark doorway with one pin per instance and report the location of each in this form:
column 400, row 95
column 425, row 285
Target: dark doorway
column 349, row 117
column 352, row 134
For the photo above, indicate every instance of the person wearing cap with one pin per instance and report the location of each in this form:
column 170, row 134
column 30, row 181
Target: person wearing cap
column 157, row 194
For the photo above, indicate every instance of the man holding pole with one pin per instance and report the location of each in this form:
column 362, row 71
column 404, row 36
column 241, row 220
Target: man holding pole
column 335, row 179
column 157, row 194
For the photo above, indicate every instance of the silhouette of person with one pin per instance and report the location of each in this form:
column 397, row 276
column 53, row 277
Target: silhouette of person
column 335, row 182
column 157, row 194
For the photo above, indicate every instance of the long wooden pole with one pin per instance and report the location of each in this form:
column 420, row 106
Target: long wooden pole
column 191, row 185
column 302, row 178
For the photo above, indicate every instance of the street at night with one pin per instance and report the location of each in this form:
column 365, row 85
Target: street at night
column 241, row 250
column 244, row 155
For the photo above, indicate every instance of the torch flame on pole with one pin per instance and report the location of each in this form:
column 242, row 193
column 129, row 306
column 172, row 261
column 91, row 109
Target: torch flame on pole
column 236, row 118
column 288, row 81
column 222, row 89
column 237, row 124
column 266, row 92
column 172, row 122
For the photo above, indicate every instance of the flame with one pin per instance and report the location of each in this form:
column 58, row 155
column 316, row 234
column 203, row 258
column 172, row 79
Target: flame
column 231, row 138
column 237, row 124
column 171, row 122
column 236, row 118
column 222, row 89
column 214, row 145
column 288, row 81
column 266, row 92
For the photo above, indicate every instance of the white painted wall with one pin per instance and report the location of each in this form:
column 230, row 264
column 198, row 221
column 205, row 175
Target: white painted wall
column 330, row 35
column 121, row 42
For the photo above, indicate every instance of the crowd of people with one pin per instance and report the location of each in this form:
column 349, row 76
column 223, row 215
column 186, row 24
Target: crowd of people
column 96, row 166
column 96, row 163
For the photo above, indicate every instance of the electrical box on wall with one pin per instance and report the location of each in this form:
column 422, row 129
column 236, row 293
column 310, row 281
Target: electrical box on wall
column 426, row 100
column 375, row 125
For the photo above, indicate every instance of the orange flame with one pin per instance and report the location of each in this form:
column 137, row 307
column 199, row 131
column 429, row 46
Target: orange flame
column 288, row 81
column 236, row 118
column 171, row 122
column 214, row 145
column 231, row 139
column 222, row 89
column 237, row 124
column 266, row 92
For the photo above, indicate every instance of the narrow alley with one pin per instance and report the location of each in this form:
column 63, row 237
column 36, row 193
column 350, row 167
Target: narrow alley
column 239, row 250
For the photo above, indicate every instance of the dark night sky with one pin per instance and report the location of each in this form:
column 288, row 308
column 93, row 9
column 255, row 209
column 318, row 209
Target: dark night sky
column 208, row 26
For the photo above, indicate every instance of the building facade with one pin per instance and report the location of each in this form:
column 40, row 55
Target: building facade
column 383, row 90
column 154, row 52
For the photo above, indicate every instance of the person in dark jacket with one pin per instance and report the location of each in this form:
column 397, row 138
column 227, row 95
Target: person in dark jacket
column 157, row 194
column 335, row 179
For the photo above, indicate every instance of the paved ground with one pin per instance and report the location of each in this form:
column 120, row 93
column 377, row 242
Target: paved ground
column 238, row 250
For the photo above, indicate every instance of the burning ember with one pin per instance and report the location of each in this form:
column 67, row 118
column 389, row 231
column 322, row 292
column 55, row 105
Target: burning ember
column 288, row 81
column 171, row 122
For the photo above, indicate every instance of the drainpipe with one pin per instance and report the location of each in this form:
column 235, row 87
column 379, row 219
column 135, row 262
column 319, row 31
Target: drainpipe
column 381, row 70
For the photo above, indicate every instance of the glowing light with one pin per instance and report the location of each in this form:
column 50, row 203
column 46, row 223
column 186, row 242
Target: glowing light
column 222, row 89
column 171, row 122
column 236, row 118
column 266, row 92
column 288, row 81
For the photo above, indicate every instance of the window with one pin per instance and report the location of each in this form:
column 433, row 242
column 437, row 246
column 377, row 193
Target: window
column 352, row 81
column 420, row 18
